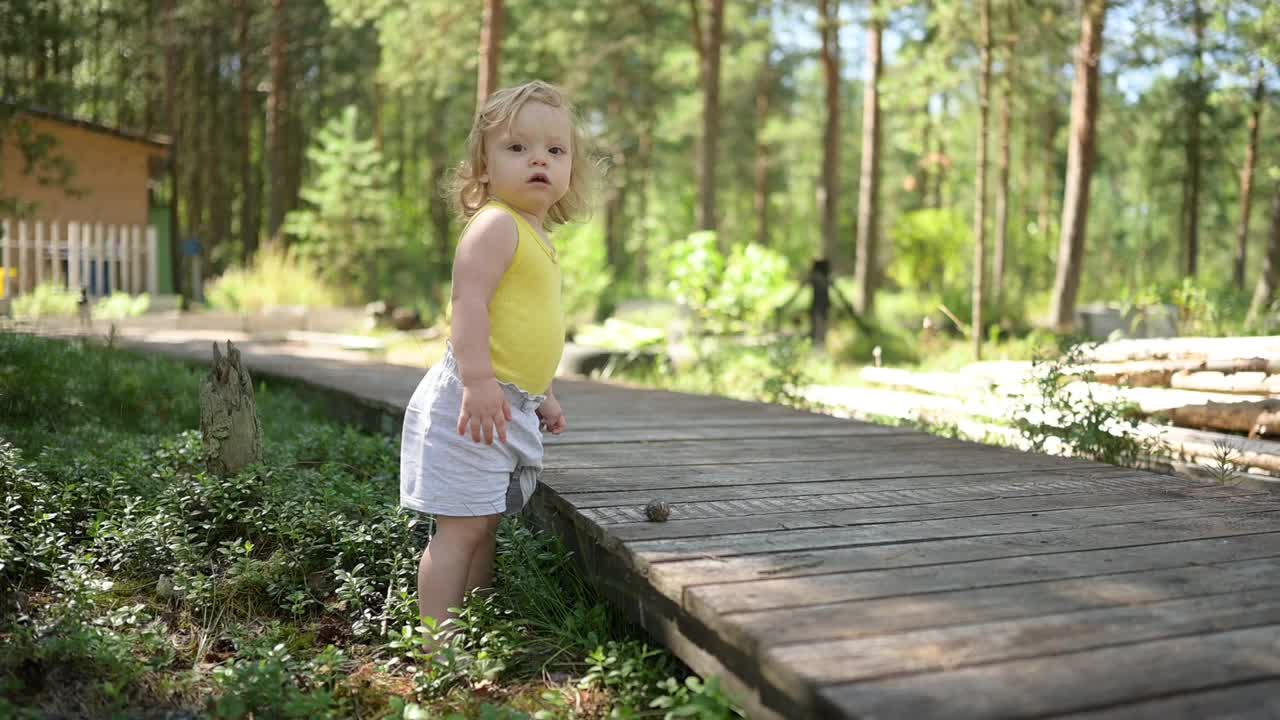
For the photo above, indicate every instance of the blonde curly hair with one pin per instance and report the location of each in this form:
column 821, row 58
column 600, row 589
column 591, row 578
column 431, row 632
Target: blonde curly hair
column 465, row 189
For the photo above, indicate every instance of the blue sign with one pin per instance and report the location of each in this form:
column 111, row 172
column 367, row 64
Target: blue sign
column 191, row 247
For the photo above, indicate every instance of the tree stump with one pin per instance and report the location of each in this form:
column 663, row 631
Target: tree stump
column 228, row 415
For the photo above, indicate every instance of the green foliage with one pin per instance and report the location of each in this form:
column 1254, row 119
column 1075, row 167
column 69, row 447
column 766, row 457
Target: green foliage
column 1054, row 417
column 737, row 294
column 278, row 277
column 1213, row 309
column 930, row 251
column 121, row 305
column 50, row 387
column 111, row 522
column 47, row 300
column 695, row 699
column 348, row 219
column 275, row 685
column 586, row 278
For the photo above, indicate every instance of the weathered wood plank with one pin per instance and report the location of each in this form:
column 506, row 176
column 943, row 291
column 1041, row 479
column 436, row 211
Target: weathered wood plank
column 720, row 598
column 736, row 501
column 709, row 452
column 642, row 553
column 672, row 578
column 732, row 434
column 859, row 511
column 1063, row 683
column 855, row 466
column 865, row 618
column 936, row 649
column 1248, row 701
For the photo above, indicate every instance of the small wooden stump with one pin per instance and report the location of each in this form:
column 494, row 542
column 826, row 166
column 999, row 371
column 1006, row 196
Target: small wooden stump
column 228, row 415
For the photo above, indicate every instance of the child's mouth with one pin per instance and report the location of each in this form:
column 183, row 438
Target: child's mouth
column 540, row 178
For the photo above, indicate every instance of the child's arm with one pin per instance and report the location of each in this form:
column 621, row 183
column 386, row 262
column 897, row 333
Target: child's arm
column 483, row 256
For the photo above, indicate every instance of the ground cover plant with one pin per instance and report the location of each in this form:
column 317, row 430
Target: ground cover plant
column 134, row 584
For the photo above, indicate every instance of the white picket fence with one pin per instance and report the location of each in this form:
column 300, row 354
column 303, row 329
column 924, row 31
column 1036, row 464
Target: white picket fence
column 101, row 258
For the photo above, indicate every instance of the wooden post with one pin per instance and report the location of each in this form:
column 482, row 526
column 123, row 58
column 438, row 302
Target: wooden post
column 153, row 262
column 100, row 254
column 37, row 247
column 119, row 259
column 21, row 262
column 74, row 276
column 6, row 257
column 55, row 254
column 139, row 269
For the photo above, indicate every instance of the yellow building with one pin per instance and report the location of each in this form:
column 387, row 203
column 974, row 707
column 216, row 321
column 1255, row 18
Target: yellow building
column 103, row 226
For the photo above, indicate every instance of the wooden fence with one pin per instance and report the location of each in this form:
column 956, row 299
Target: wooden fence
column 98, row 257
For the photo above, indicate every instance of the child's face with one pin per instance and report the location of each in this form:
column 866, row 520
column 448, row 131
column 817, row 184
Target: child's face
column 528, row 164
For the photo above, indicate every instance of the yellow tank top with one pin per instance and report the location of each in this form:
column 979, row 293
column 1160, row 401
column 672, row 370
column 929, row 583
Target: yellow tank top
column 526, row 321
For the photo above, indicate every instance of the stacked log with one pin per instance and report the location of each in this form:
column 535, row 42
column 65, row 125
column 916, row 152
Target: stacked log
column 1201, row 396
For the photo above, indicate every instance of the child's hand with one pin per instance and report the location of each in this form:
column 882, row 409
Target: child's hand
column 485, row 408
column 552, row 415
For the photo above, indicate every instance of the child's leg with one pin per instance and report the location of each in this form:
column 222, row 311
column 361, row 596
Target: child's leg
column 480, row 574
column 442, row 573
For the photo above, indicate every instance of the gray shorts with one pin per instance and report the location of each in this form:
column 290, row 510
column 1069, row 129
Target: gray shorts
column 444, row 473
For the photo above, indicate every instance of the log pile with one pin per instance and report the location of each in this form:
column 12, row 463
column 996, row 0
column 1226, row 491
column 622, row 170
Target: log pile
column 1201, row 397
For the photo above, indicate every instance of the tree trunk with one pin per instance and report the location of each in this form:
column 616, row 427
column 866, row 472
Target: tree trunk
column 820, row 274
column 764, row 92
column 229, row 424
column 1246, row 181
column 920, row 194
column 980, row 184
column 248, row 240
column 829, row 19
column 277, row 118
column 438, row 156
column 150, row 82
column 644, row 164
column 615, row 190
column 96, row 92
column 1002, row 187
column 1191, row 229
column 943, row 162
column 1265, row 291
column 175, row 135
column 1044, row 217
column 869, row 185
column 1080, row 157
column 709, row 54
column 490, row 50
column 217, row 181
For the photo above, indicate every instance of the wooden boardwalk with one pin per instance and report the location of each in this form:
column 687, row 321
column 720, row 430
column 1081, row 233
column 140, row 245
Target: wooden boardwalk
column 833, row 569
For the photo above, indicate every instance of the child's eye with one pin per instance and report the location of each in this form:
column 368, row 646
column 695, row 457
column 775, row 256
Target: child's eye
column 516, row 147
column 557, row 150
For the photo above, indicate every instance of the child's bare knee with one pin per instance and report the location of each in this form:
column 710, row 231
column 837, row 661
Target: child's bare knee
column 469, row 530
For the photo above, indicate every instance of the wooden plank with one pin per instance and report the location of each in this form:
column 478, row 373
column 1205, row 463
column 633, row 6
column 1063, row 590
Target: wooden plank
column 1063, row 683
column 641, row 553
column 704, row 452
column 739, row 433
column 938, row 649
column 672, row 578
column 880, row 616
column 865, row 465
column 1248, row 701
column 608, row 508
column 867, row 584
column 812, row 516
column 642, row 422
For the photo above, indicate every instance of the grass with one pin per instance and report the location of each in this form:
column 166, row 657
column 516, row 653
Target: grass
column 140, row 585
